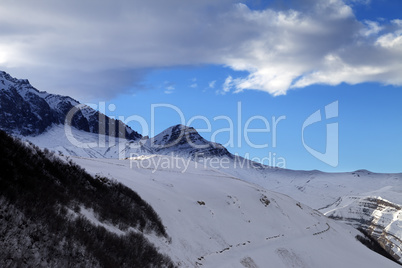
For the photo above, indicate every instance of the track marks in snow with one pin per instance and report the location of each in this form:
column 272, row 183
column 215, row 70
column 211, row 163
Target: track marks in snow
column 198, row 263
column 239, row 245
column 272, row 237
column 323, row 231
column 248, row 262
column 233, row 201
column 289, row 258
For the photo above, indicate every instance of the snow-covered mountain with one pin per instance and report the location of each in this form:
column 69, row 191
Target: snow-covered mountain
column 185, row 141
column 26, row 111
column 365, row 200
column 178, row 140
column 207, row 218
column 330, row 193
column 217, row 220
column 178, row 165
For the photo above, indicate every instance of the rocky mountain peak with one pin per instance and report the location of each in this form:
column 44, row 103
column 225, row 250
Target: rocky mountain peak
column 26, row 111
column 184, row 140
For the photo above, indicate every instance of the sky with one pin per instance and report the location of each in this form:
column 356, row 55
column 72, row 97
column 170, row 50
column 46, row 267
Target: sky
column 298, row 84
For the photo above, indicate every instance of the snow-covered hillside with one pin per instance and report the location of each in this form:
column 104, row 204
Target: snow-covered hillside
column 217, row 220
column 371, row 201
column 71, row 141
column 319, row 190
column 177, row 140
column 379, row 218
column 314, row 188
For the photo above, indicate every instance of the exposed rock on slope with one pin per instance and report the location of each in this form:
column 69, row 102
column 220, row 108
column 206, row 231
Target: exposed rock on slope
column 380, row 219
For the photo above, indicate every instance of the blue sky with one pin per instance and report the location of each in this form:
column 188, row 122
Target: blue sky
column 369, row 120
column 276, row 59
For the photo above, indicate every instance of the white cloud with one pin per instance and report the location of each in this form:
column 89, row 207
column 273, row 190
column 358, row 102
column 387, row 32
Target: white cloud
column 325, row 46
column 169, row 87
column 379, row 60
column 212, row 84
column 101, row 49
column 397, row 22
column 169, row 90
column 393, row 40
column 364, row 2
column 371, row 29
column 227, row 86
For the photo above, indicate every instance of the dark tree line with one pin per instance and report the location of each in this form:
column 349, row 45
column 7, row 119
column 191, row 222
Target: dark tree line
column 43, row 188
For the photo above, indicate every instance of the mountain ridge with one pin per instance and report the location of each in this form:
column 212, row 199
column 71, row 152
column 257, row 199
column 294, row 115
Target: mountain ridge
column 27, row 111
column 313, row 188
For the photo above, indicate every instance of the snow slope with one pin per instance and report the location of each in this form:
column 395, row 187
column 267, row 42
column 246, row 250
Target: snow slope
column 326, row 192
column 70, row 141
column 371, row 201
column 314, row 188
column 217, row 220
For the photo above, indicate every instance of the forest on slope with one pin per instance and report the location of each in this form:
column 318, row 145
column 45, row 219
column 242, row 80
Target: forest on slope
column 42, row 219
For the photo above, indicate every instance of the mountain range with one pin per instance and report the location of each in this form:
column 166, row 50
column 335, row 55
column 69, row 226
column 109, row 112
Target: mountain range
column 233, row 215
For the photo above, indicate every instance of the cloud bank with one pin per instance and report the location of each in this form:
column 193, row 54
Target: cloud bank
column 102, row 48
